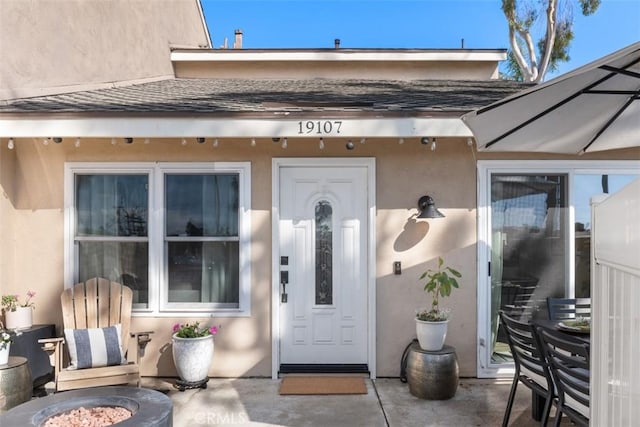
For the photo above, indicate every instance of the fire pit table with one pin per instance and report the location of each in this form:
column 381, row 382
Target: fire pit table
column 148, row 407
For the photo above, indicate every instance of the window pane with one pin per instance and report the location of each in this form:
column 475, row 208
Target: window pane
column 111, row 205
column 324, row 253
column 205, row 272
column 202, row 205
column 122, row 262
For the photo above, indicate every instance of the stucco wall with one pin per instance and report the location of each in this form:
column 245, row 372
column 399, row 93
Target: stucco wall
column 31, row 251
column 48, row 45
column 404, row 175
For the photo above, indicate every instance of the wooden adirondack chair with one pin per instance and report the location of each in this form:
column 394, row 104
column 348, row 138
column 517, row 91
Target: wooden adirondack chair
column 97, row 303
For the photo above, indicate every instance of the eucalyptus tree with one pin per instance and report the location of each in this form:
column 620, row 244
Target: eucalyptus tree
column 529, row 60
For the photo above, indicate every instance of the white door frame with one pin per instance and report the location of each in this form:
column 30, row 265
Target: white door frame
column 277, row 164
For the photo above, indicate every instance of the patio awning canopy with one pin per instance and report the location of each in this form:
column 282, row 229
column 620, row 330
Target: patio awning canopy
column 593, row 108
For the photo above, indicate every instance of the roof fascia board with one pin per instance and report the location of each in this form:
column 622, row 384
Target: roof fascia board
column 224, row 128
column 338, row 55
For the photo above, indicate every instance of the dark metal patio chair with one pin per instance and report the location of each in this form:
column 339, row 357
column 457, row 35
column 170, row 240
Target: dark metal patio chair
column 531, row 368
column 568, row 359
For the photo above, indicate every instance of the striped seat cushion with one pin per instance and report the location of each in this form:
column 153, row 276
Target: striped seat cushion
column 95, row 347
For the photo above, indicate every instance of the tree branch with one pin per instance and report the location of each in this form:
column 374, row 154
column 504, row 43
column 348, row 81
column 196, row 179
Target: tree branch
column 549, row 39
column 533, row 58
column 520, row 59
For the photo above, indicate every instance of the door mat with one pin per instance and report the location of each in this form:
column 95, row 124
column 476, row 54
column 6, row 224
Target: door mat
column 323, row 385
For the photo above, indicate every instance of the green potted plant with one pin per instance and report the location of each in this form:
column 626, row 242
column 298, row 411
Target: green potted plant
column 6, row 338
column 432, row 323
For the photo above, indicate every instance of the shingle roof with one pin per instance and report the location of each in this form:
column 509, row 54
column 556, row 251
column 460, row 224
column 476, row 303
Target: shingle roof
column 256, row 96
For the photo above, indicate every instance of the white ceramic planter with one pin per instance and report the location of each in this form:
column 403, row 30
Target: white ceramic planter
column 4, row 354
column 193, row 357
column 431, row 335
column 19, row 319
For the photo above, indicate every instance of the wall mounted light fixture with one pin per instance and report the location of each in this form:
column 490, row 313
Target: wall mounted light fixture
column 428, row 209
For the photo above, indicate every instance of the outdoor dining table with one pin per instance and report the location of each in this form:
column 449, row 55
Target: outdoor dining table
column 553, row 324
column 537, row 402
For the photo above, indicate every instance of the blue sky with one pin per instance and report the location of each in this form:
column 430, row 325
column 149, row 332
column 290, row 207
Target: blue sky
column 408, row 24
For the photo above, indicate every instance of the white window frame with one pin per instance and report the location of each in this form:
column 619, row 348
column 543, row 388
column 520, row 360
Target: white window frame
column 158, row 307
column 486, row 168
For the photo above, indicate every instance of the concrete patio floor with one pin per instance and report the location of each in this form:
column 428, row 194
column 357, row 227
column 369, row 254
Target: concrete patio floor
column 256, row 402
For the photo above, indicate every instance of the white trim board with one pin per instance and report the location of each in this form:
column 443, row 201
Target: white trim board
column 352, row 55
column 193, row 127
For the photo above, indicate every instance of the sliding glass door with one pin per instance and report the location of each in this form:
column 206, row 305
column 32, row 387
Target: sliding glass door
column 534, row 229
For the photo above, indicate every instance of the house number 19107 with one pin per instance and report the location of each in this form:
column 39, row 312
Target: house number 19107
column 319, row 127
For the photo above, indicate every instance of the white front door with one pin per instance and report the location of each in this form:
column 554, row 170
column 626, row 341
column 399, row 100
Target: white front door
column 323, row 223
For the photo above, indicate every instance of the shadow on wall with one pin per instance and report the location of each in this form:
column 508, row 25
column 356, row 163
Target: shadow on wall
column 412, row 233
column 33, row 174
column 415, row 231
column 7, row 172
column 165, row 361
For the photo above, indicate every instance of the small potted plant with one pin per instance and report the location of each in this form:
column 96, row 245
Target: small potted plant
column 18, row 315
column 193, row 352
column 6, row 338
column 431, row 324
